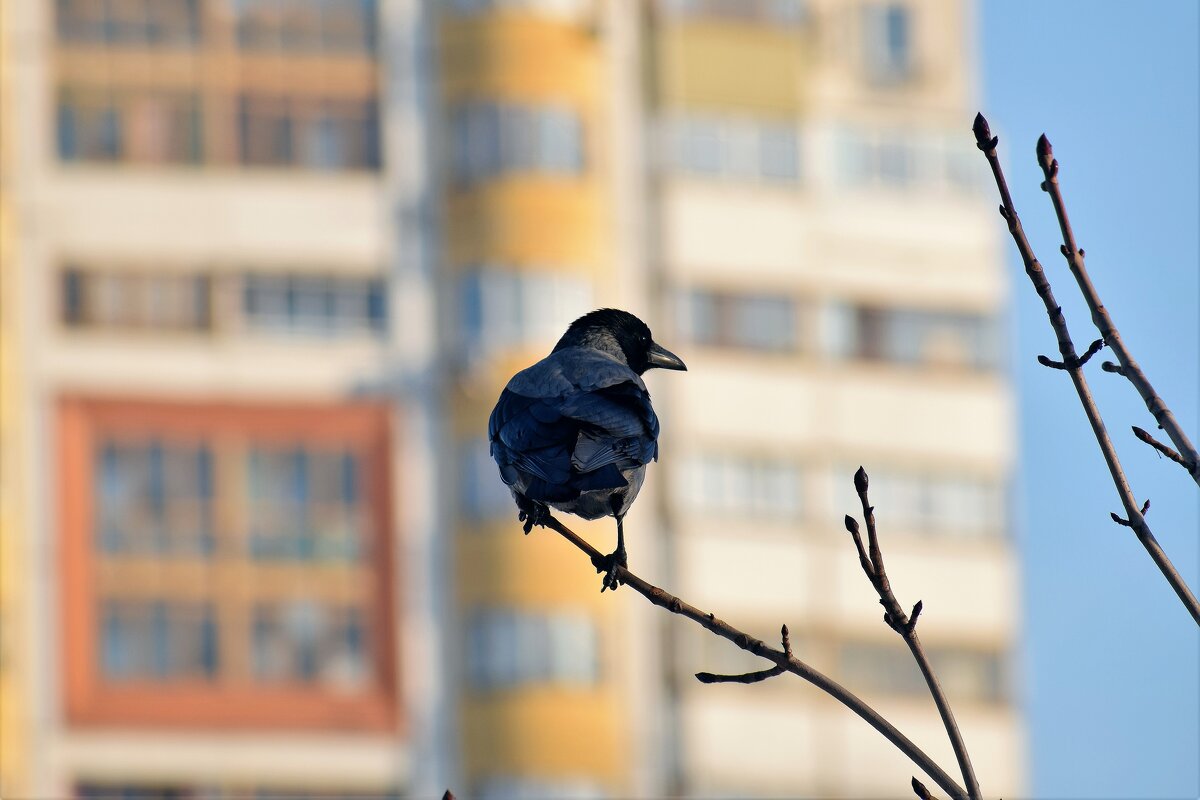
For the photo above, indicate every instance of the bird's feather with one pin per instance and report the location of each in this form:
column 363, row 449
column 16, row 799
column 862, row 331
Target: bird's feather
column 572, row 423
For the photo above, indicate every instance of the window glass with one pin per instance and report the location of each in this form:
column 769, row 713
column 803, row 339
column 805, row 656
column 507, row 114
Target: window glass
column 305, row 503
column 308, row 642
column 157, row 640
column 154, row 496
column 314, row 304
column 931, row 503
column 910, row 336
column 731, row 148
column 733, row 485
column 508, row 648
column 749, row 321
column 887, row 42
column 489, row 139
column 964, row 674
column 502, row 308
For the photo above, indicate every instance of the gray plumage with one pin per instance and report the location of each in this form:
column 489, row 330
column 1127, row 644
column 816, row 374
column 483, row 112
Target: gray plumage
column 576, row 430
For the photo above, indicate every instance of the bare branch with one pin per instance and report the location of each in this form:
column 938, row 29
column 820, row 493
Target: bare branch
column 906, row 626
column 789, row 663
column 1129, row 368
column 1095, row 347
column 1162, row 448
column 920, row 789
column 987, row 144
column 750, row 677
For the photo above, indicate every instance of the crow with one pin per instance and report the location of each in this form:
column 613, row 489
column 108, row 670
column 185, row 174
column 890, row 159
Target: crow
column 576, row 430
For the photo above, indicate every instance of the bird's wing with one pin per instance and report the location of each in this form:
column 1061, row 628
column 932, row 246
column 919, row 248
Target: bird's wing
column 573, row 422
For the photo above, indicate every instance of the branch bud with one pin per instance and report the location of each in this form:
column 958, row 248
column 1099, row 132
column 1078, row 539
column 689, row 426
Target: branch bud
column 860, row 480
column 1044, row 151
column 851, row 524
column 981, row 129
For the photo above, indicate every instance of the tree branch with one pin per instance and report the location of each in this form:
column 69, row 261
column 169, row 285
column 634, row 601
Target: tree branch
column 780, row 658
column 1190, row 466
column 987, row 144
column 906, row 626
column 920, row 789
column 1100, row 317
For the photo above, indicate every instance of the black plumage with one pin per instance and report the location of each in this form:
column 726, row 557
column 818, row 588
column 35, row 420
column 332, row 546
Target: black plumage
column 576, row 430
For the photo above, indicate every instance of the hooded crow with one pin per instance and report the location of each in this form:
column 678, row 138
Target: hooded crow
column 576, row 430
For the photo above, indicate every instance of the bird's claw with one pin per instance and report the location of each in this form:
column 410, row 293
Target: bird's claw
column 610, row 565
column 533, row 513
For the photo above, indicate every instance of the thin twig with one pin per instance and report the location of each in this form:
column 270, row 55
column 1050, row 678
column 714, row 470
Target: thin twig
column 920, row 789
column 1162, row 448
column 1074, row 255
column 781, row 659
column 987, row 144
column 906, row 626
column 750, row 677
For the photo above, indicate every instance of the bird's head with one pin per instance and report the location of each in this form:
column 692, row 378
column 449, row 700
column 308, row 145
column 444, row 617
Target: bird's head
column 623, row 335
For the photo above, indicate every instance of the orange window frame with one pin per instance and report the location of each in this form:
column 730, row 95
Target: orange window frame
column 222, row 703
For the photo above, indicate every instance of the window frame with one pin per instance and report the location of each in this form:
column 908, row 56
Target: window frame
column 231, row 701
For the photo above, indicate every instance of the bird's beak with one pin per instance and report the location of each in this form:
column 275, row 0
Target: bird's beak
column 659, row 356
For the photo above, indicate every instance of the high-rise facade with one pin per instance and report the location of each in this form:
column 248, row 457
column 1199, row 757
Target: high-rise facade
column 268, row 264
column 209, row 539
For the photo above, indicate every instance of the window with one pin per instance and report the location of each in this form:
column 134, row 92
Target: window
column 772, row 12
column 303, row 641
column 129, row 22
column 730, row 485
column 505, row 308
column 508, row 648
column 895, row 159
column 739, row 149
column 228, row 565
column 512, row 788
column 158, row 640
column 150, row 791
column 136, row 300
column 154, row 497
column 562, row 9
column 887, row 43
column 939, row 504
column 305, row 503
column 485, row 496
column 322, row 134
column 753, row 322
column 261, row 114
column 964, row 674
column 490, row 139
column 307, row 26
column 328, row 305
column 912, row 337
column 143, row 127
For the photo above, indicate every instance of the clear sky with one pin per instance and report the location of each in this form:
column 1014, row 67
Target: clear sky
column 1111, row 672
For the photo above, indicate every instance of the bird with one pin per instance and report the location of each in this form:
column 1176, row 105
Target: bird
column 576, row 430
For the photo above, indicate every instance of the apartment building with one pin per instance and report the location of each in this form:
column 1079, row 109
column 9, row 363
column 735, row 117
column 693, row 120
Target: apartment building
column 830, row 260
column 268, row 264
column 210, row 541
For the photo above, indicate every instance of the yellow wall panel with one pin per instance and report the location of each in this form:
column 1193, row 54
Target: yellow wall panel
column 525, row 220
column 519, row 57
column 543, row 732
column 724, row 67
column 502, row 566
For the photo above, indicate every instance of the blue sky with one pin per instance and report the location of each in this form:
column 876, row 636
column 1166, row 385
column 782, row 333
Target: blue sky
column 1112, row 663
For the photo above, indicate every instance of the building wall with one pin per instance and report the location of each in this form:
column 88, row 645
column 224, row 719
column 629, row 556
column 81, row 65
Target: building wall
column 206, row 332
column 527, row 247
column 13, row 589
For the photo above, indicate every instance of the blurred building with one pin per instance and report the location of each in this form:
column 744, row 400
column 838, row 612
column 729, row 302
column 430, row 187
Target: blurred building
column 208, row 546
column 268, row 263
